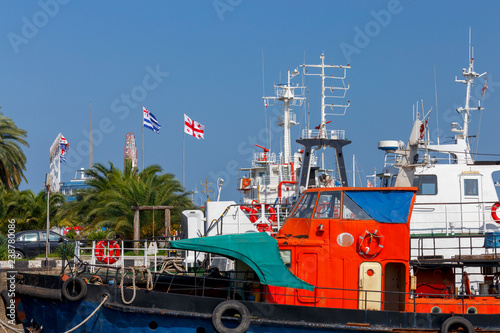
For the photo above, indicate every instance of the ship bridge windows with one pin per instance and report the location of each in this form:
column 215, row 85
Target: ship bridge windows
column 427, row 184
column 306, row 205
column 328, row 205
column 352, row 211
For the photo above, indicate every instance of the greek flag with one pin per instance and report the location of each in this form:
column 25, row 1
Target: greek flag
column 149, row 121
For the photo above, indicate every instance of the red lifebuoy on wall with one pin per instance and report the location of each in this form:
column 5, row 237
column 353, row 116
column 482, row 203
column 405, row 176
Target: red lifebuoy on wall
column 370, row 244
column 494, row 212
column 111, row 247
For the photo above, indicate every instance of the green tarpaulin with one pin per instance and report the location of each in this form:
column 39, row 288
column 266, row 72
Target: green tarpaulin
column 258, row 250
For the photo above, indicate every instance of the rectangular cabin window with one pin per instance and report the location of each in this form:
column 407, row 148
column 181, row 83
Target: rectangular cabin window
column 328, row 205
column 427, row 184
column 306, row 206
column 471, row 187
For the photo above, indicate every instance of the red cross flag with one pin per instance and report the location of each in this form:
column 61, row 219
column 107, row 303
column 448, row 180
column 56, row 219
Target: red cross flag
column 194, row 128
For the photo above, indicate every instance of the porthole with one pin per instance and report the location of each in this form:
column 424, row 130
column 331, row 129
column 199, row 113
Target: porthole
column 436, row 309
column 471, row 310
column 200, row 330
column 153, row 325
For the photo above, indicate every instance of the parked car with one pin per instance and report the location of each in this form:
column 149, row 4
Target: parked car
column 31, row 243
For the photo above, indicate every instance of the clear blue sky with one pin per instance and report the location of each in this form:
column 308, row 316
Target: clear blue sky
column 58, row 56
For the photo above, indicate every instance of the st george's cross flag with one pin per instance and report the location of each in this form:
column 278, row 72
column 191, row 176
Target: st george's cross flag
column 149, row 121
column 194, row 128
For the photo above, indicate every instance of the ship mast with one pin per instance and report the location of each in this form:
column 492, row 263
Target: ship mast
column 313, row 140
column 286, row 94
column 470, row 76
column 322, row 126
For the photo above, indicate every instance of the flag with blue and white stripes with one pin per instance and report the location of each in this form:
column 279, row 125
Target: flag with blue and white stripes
column 149, row 121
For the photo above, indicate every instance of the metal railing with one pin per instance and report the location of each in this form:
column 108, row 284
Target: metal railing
column 327, row 134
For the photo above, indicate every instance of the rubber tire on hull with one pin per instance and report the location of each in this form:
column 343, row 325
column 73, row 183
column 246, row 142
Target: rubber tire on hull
column 79, row 286
column 454, row 323
column 231, row 305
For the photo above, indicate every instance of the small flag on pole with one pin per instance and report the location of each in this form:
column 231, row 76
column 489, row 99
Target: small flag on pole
column 369, row 183
column 149, row 121
column 64, row 147
column 194, row 128
column 484, row 87
column 265, row 103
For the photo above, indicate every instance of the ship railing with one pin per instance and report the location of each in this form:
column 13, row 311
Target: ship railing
column 148, row 253
column 323, row 134
column 470, row 216
column 262, row 158
column 239, row 285
column 462, row 248
column 261, row 217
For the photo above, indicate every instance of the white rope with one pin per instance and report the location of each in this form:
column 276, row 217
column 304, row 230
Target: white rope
column 90, row 316
column 133, row 286
column 4, row 325
column 149, row 284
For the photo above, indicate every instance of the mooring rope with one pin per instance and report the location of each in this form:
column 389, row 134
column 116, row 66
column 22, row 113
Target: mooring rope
column 90, row 316
column 4, row 325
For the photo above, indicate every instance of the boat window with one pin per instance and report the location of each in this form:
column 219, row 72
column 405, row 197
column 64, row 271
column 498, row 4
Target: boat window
column 306, row 205
column 427, row 184
column 496, row 180
column 328, row 206
column 351, row 210
column 471, row 187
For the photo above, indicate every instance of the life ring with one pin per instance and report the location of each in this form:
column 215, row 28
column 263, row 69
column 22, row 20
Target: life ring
column 253, row 213
column 455, row 322
column 494, row 212
column 321, row 208
column 270, row 210
column 370, row 244
column 231, row 306
column 74, row 289
column 256, row 207
column 112, row 248
column 467, row 290
column 245, row 182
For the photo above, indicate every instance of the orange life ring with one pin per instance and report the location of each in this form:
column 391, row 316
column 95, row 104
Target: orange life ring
column 370, row 244
column 245, row 182
column 253, row 213
column 111, row 247
column 270, row 210
column 256, row 207
column 494, row 212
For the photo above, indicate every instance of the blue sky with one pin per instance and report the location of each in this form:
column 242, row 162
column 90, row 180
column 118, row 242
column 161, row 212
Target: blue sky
column 204, row 58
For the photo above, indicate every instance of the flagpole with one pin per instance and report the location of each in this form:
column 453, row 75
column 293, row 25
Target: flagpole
column 142, row 141
column 183, row 155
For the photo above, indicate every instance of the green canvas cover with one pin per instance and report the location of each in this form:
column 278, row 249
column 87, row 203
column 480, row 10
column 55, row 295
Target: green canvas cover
column 258, row 250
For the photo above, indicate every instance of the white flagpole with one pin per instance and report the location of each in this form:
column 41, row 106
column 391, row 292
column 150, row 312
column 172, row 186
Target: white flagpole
column 142, row 138
column 183, row 155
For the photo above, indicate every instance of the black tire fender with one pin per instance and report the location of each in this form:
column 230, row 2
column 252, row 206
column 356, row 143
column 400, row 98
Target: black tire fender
column 74, row 289
column 455, row 322
column 231, row 305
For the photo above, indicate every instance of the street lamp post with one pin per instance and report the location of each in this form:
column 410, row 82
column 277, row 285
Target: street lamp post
column 48, row 182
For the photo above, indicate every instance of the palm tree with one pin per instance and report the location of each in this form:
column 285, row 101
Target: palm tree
column 29, row 210
column 12, row 158
column 108, row 202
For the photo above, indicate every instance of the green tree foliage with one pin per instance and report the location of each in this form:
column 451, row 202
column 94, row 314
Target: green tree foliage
column 112, row 194
column 28, row 209
column 12, row 158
